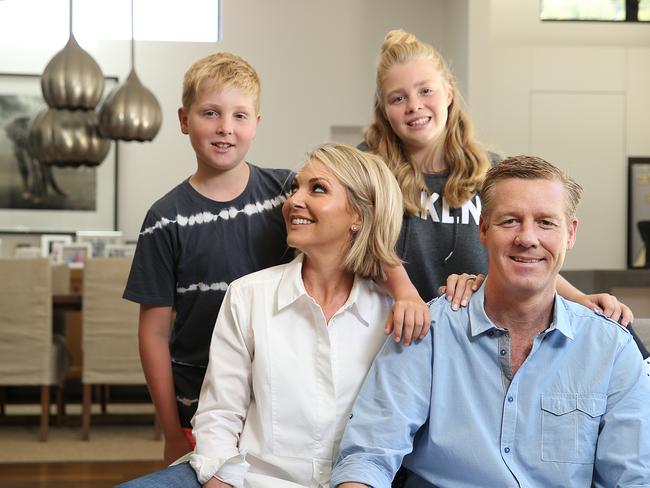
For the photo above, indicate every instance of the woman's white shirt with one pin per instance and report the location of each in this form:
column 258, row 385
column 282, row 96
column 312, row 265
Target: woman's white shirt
column 281, row 381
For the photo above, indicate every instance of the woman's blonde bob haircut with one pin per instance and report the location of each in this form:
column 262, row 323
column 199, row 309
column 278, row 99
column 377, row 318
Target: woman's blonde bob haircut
column 465, row 158
column 373, row 193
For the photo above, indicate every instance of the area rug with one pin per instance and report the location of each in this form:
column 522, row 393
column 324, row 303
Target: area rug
column 19, row 443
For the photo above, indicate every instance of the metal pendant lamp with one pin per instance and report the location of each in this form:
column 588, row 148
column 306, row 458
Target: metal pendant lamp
column 72, row 79
column 130, row 112
column 67, row 133
column 67, row 138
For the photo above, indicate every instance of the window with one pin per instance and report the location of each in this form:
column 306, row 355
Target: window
column 95, row 20
column 596, row 10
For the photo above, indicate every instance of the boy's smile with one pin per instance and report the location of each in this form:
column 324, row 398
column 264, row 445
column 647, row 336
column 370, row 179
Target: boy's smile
column 222, row 124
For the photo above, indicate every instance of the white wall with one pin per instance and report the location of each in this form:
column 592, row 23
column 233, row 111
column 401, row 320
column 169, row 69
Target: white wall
column 576, row 94
column 316, row 62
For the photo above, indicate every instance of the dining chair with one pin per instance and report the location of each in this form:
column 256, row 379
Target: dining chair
column 109, row 331
column 30, row 354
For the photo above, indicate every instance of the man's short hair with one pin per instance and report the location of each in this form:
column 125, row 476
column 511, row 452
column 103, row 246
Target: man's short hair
column 529, row 168
column 222, row 70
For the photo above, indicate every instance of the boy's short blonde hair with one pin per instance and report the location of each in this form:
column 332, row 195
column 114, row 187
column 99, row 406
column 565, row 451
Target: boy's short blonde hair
column 222, row 70
column 373, row 193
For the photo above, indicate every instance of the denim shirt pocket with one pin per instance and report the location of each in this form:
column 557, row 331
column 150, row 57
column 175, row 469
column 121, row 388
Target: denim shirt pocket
column 570, row 423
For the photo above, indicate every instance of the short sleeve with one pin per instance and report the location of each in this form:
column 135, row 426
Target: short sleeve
column 152, row 280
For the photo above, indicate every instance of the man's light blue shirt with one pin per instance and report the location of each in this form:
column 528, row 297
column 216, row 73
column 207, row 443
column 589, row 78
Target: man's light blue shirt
column 576, row 411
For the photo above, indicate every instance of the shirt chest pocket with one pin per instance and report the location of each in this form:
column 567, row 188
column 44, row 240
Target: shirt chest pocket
column 570, row 426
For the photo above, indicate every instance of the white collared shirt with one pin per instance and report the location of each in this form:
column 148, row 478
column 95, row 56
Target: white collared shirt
column 281, row 382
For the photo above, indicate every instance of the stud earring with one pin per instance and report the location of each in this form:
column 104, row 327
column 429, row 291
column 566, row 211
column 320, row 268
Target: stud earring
column 354, row 229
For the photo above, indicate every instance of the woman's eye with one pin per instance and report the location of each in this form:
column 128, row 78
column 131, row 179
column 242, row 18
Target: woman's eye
column 293, row 189
column 547, row 224
column 396, row 99
column 241, row 116
column 210, row 113
column 426, row 91
column 318, row 188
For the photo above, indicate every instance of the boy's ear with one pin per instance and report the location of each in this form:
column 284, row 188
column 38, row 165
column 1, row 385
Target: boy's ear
column 182, row 118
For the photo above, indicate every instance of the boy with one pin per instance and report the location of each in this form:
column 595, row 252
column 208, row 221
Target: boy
column 222, row 223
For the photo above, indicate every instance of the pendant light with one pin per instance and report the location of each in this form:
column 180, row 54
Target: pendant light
column 130, row 112
column 72, row 79
column 60, row 137
column 67, row 133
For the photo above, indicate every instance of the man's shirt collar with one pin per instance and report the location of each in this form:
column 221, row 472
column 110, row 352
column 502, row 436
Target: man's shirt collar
column 480, row 323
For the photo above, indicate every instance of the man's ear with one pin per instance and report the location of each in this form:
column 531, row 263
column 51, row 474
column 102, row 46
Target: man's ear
column 573, row 228
column 182, row 118
column 483, row 227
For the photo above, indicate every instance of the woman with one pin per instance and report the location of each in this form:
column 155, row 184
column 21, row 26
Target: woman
column 421, row 131
column 293, row 343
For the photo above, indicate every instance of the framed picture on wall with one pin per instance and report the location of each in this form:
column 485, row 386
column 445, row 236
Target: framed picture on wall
column 37, row 197
column 638, row 213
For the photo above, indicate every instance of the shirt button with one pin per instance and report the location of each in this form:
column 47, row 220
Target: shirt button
column 510, row 399
column 506, row 450
column 502, row 352
column 491, row 333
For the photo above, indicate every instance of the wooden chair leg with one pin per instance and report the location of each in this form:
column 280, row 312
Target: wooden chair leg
column 157, row 429
column 3, row 400
column 60, row 406
column 85, row 413
column 104, row 397
column 45, row 412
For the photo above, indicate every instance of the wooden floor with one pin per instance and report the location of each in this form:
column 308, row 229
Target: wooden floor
column 73, row 475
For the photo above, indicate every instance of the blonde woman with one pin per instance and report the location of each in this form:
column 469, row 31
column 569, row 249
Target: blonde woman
column 427, row 140
column 293, row 343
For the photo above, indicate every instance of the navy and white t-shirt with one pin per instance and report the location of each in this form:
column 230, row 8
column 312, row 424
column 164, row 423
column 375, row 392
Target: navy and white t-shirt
column 189, row 250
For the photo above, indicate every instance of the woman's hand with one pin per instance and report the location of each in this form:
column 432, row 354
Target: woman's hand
column 460, row 288
column 409, row 319
column 609, row 306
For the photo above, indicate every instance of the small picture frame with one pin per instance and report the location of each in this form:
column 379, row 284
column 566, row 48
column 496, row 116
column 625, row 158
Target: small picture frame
column 27, row 252
column 98, row 240
column 75, row 254
column 123, row 251
column 51, row 245
column 638, row 213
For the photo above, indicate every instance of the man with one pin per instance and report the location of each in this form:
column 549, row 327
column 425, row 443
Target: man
column 521, row 388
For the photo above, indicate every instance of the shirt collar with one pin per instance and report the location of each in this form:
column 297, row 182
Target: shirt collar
column 292, row 288
column 480, row 322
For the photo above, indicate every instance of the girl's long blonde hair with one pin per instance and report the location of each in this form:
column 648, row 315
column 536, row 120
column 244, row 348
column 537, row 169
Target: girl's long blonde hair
column 464, row 156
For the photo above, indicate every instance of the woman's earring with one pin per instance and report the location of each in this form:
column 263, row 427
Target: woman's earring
column 354, row 229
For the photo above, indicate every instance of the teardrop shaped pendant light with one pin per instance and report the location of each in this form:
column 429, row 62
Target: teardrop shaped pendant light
column 67, row 133
column 130, row 112
column 72, row 79
column 61, row 137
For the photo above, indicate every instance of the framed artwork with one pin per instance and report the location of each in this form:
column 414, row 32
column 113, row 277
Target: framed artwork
column 125, row 251
column 75, row 254
column 98, row 240
column 638, row 213
column 35, row 197
column 51, row 245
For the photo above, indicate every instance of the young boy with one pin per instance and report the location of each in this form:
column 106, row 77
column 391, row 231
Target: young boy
column 222, row 223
